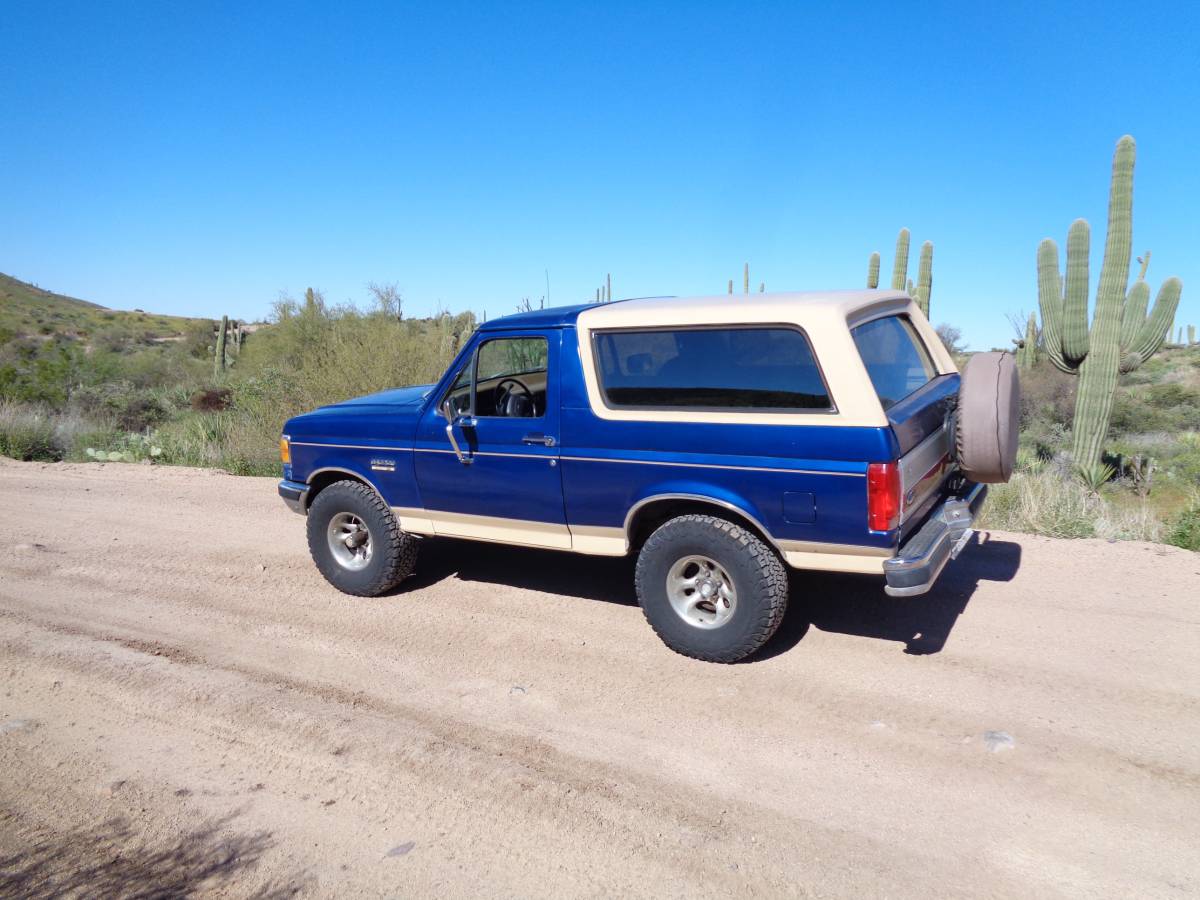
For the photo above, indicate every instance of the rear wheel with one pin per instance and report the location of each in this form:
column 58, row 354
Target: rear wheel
column 356, row 542
column 710, row 588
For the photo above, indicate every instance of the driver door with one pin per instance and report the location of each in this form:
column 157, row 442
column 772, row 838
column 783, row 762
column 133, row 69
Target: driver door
column 504, row 482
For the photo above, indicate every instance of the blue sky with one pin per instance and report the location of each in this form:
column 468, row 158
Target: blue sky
column 202, row 158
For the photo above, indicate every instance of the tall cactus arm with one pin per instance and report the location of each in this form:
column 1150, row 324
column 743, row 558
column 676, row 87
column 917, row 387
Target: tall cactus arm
column 1136, row 302
column 925, row 278
column 1073, row 323
column 1118, row 245
column 1050, row 300
column 900, row 265
column 1134, row 315
column 1156, row 327
column 873, row 272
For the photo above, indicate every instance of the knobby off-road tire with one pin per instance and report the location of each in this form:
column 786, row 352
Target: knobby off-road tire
column 989, row 401
column 393, row 553
column 758, row 579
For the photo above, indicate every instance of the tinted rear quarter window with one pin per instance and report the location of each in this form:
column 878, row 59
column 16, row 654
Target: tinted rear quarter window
column 895, row 357
column 767, row 368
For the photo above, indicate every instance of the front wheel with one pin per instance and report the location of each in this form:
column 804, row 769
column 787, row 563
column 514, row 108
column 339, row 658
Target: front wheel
column 710, row 588
column 356, row 542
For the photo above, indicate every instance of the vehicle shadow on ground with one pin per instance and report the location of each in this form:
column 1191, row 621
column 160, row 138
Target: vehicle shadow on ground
column 605, row 578
column 857, row 605
column 827, row 601
column 110, row 859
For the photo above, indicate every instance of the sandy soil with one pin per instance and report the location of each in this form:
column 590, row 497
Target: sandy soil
column 187, row 706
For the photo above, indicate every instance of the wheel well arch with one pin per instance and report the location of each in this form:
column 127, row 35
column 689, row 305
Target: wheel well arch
column 322, row 478
column 648, row 514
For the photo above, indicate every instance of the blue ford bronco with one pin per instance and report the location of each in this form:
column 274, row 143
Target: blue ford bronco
column 718, row 439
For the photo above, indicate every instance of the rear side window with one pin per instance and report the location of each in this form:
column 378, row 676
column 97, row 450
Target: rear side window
column 895, row 357
column 770, row 367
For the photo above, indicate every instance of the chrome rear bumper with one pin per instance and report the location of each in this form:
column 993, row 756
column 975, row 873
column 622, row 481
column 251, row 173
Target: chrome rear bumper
column 916, row 567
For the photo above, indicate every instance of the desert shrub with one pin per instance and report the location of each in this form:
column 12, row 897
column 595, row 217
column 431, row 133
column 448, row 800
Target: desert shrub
column 1047, row 397
column 1185, row 530
column 1185, row 463
column 37, row 432
column 1045, row 502
column 1171, row 395
column 129, row 407
column 1166, row 407
column 211, row 400
column 27, row 432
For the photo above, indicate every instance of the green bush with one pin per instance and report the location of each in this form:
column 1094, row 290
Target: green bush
column 1159, row 407
column 27, row 433
column 1185, row 530
column 1047, row 501
column 1047, row 396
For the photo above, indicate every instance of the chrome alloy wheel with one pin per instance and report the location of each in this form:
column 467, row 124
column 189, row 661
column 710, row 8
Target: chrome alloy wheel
column 701, row 592
column 349, row 541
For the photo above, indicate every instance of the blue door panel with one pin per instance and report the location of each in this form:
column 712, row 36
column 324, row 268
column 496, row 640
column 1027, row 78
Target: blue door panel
column 507, row 478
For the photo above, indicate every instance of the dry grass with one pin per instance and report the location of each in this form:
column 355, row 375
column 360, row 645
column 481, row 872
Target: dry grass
column 1048, row 502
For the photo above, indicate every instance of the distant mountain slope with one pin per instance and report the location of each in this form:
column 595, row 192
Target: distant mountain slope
column 29, row 310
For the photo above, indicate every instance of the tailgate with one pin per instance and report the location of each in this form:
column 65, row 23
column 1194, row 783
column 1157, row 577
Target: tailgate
column 923, row 424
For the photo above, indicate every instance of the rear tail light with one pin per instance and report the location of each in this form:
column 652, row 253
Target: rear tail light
column 883, row 496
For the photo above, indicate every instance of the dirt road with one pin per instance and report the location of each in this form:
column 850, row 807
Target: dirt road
column 187, row 705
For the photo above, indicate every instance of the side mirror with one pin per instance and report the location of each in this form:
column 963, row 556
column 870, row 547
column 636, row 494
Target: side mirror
column 453, row 419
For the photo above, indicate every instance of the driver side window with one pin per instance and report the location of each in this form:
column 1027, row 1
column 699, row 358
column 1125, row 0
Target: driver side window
column 510, row 379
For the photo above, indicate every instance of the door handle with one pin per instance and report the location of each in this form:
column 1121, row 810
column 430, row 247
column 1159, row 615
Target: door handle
column 544, row 439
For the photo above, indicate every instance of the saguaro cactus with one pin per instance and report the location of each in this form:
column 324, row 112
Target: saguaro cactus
column 1191, row 335
column 745, row 278
column 1027, row 354
column 923, row 289
column 219, row 355
column 1122, row 336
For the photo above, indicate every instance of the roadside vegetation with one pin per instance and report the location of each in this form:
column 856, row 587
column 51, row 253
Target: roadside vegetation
column 113, row 391
column 1148, row 484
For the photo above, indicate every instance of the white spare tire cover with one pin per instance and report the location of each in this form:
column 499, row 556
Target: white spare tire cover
column 989, row 399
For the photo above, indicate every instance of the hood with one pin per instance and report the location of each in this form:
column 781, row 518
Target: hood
column 403, row 396
column 388, row 414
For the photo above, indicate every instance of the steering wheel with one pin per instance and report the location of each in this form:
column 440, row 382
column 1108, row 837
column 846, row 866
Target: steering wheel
column 507, row 388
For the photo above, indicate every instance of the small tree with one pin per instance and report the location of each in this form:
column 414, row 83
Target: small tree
column 952, row 339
